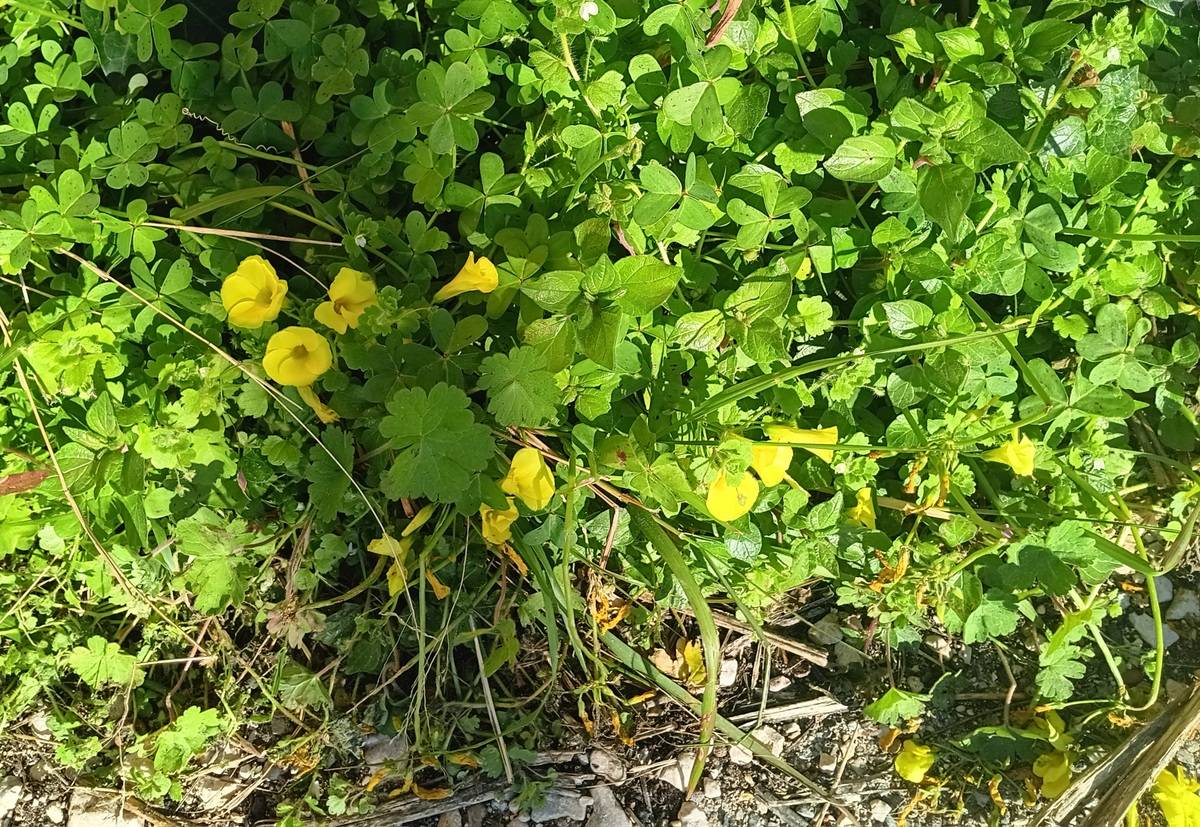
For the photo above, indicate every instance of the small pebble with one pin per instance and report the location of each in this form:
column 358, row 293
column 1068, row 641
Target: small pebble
column 607, row 766
column 780, row 683
column 55, row 814
column 712, row 788
column 1185, row 606
column 1144, row 626
column 728, row 674
column 880, row 810
column 827, row 763
column 690, row 815
column 1165, row 588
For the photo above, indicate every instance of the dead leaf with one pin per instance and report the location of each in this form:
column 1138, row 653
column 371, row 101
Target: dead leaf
column 23, row 481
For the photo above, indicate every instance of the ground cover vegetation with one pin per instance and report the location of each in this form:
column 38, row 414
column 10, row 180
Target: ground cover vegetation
column 353, row 352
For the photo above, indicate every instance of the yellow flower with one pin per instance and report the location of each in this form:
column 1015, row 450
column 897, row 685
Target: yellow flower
column 253, row 294
column 727, row 502
column 821, row 436
column 297, row 356
column 324, row 413
column 350, row 294
column 1051, row 726
column 770, row 462
column 497, row 524
column 1018, row 454
column 1176, row 795
column 530, row 479
column 863, row 510
column 1054, row 768
column 914, row 761
column 478, row 275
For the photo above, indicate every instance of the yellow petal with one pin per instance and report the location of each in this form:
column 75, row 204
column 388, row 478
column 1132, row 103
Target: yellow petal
column 726, row 501
column 297, row 356
column 431, row 793
column 440, row 590
column 1054, row 768
column 914, row 761
column 806, row 438
column 1176, row 795
column 253, row 294
column 497, row 524
column 389, row 546
column 770, row 462
column 397, row 579
column 529, row 479
column 327, row 315
column 478, row 275
column 1018, row 454
column 863, row 510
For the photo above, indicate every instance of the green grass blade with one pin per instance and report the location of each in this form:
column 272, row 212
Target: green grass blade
column 645, row 523
column 759, row 384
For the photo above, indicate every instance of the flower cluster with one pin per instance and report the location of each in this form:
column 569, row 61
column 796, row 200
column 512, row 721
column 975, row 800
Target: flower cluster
column 529, row 480
column 297, row 356
column 729, row 498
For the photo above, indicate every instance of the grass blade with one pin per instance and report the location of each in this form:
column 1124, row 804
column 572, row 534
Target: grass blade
column 665, row 546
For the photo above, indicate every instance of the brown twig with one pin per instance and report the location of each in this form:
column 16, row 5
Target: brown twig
column 731, row 9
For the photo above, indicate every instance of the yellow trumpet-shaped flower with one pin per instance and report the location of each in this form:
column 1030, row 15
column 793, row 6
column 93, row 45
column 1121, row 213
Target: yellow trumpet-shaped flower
column 297, row 356
column 529, row 479
column 1177, row 796
column 1054, row 768
column 820, row 436
column 863, row 510
column 350, row 294
column 497, row 523
column 727, row 501
column 914, row 761
column 770, row 462
column 478, row 275
column 1018, row 454
column 253, row 294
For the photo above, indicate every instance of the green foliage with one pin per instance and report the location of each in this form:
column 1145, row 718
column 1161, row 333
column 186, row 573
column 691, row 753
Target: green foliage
column 921, row 225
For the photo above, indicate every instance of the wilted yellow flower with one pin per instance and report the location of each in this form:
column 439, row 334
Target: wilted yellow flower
column 497, row 524
column 297, row 356
column 350, row 294
column 914, row 760
column 324, row 413
column 1051, row 725
column 770, row 462
column 863, row 510
column 478, row 275
column 1054, row 768
column 530, row 479
column 1177, row 795
column 252, row 294
column 1018, row 454
column 820, row 436
column 728, row 501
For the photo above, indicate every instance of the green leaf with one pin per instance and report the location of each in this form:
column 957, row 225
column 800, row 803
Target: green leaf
column 521, row 391
column 439, row 447
column 643, row 283
column 996, row 616
column 863, row 159
column 101, row 663
column 175, row 746
column 945, row 192
column 897, row 706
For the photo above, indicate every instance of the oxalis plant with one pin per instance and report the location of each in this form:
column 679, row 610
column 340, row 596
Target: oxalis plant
column 398, row 367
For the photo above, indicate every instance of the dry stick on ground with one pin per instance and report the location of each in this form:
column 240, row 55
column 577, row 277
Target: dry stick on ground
column 1128, row 770
column 812, row 708
column 796, row 648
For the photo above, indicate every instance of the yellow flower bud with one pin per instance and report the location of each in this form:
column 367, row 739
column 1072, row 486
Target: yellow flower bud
column 914, row 761
column 252, row 294
column 863, row 510
column 297, row 356
column 770, row 462
column 350, row 294
column 820, row 436
column 530, row 479
column 478, row 275
column 497, row 524
column 1018, row 454
column 726, row 501
column 324, row 413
